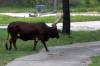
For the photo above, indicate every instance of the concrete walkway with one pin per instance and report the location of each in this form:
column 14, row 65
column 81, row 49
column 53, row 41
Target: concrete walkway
column 49, row 14
column 69, row 55
column 75, row 26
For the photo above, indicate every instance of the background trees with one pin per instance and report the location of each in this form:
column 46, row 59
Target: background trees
column 33, row 2
column 50, row 3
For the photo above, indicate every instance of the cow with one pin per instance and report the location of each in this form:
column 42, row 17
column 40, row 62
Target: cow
column 30, row 31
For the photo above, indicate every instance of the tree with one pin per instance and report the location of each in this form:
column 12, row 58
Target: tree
column 55, row 4
column 66, row 17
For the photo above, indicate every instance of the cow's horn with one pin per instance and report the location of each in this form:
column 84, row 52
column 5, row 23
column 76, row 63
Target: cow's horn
column 54, row 25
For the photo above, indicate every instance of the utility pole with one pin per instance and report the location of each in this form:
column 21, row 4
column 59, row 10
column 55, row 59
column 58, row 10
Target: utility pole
column 66, row 17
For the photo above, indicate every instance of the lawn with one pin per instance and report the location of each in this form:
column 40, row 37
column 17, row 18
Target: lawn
column 50, row 19
column 96, row 61
column 16, row 9
column 25, row 48
column 8, row 19
column 85, row 9
column 84, row 18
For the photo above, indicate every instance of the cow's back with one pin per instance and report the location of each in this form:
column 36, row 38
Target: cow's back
column 18, row 27
column 27, row 31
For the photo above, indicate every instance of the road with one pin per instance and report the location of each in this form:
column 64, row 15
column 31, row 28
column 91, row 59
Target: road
column 76, row 26
column 69, row 55
column 49, row 14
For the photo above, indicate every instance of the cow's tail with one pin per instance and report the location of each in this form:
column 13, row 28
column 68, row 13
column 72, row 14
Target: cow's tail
column 6, row 44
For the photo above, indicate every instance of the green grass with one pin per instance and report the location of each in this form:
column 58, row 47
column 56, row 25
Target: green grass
column 84, row 18
column 50, row 19
column 25, row 48
column 16, row 9
column 8, row 19
column 85, row 9
column 95, row 61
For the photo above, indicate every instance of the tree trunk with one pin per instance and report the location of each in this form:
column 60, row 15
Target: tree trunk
column 66, row 17
column 55, row 5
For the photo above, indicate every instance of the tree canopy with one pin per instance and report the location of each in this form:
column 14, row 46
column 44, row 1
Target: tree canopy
column 73, row 3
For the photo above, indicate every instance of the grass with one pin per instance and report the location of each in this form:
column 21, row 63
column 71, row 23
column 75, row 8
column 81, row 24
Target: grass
column 85, row 9
column 8, row 19
column 50, row 19
column 16, row 9
column 25, row 48
column 84, row 18
column 95, row 61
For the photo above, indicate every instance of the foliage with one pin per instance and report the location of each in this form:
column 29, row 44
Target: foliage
column 30, row 5
column 84, row 3
column 49, row 3
column 85, row 9
column 16, row 9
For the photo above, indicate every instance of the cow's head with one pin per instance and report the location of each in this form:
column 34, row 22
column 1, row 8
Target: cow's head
column 53, row 32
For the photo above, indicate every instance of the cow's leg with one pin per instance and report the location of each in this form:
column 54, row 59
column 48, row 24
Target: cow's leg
column 14, row 43
column 35, row 43
column 45, row 46
column 10, row 47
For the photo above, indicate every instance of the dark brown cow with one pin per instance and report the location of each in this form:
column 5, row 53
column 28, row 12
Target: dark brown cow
column 30, row 31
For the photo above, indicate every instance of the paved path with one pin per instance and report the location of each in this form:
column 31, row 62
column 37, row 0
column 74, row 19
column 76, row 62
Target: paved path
column 49, row 14
column 82, row 26
column 69, row 55
column 75, row 26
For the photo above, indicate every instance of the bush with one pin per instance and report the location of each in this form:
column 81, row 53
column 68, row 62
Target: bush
column 85, row 3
